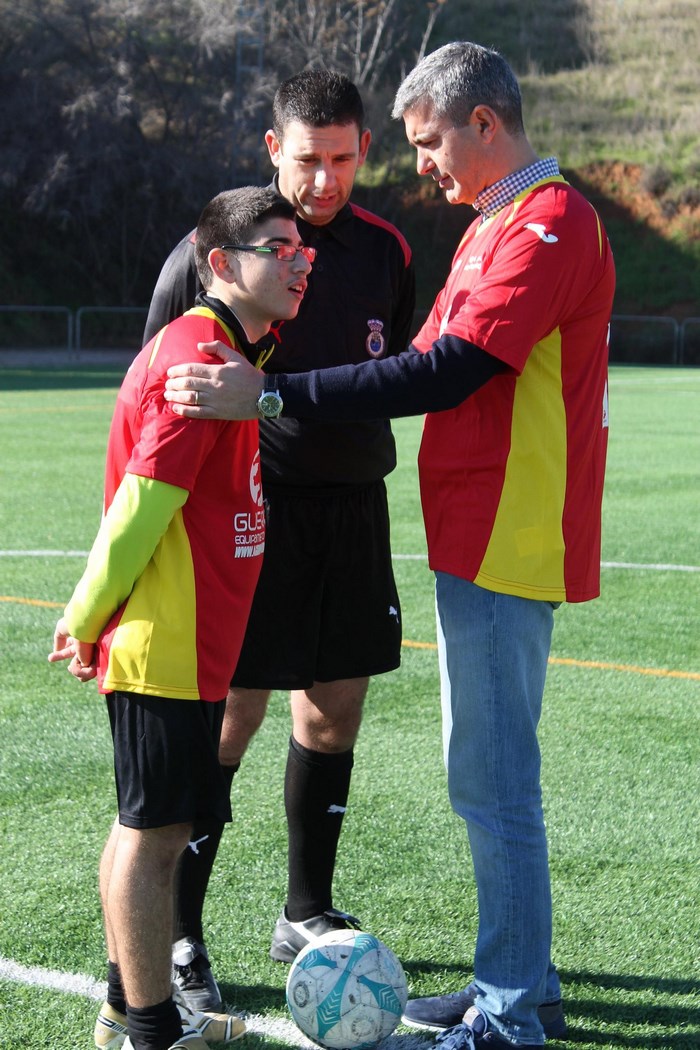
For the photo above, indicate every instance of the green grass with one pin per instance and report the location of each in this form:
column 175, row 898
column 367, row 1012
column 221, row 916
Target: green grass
column 619, row 735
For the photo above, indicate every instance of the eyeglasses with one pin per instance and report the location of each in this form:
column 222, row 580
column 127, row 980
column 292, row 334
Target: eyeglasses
column 284, row 252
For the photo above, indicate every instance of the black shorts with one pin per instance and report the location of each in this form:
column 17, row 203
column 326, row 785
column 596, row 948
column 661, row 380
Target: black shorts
column 326, row 606
column 166, row 763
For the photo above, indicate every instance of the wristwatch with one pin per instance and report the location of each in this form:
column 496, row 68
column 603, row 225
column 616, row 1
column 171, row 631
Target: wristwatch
column 270, row 403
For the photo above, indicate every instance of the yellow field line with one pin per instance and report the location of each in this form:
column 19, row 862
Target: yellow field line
column 31, row 601
column 659, row 672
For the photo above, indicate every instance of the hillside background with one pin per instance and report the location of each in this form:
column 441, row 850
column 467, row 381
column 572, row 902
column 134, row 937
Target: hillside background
column 119, row 119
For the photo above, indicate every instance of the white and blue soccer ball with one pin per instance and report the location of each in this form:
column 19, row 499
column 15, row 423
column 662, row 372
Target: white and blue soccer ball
column 346, row 990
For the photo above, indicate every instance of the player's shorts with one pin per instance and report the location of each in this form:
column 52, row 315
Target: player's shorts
column 326, row 605
column 166, row 760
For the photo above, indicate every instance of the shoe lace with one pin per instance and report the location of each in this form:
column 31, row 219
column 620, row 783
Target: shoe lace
column 461, row 1037
column 340, row 920
column 191, row 974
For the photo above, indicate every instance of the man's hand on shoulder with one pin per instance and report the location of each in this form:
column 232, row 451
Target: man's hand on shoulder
column 227, row 391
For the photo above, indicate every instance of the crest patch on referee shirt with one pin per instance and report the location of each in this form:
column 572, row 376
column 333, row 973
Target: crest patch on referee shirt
column 375, row 343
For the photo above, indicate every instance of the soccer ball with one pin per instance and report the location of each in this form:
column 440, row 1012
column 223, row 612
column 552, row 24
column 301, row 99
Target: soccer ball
column 346, row 990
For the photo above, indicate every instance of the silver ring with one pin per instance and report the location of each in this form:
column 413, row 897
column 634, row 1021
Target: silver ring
column 196, row 398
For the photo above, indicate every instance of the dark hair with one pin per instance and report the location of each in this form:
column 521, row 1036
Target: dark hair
column 318, row 98
column 456, row 78
column 231, row 218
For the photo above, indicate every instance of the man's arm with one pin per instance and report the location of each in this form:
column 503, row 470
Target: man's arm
column 130, row 531
column 407, row 385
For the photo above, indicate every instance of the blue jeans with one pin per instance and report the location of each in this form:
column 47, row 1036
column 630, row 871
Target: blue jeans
column 493, row 651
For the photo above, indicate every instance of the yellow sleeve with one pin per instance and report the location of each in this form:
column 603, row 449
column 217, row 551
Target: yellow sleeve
column 130, row 531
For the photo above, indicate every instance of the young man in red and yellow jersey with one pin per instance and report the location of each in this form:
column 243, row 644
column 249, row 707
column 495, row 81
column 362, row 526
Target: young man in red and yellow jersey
column 160, row 612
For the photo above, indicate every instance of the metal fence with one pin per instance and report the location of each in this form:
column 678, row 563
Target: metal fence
column 634, row 339
column 116, row 327
column 30, row 327
column 98, row 328
column 689, row 341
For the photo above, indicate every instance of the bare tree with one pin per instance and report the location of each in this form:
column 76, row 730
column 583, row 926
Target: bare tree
column 119, row 119
column 358, row 37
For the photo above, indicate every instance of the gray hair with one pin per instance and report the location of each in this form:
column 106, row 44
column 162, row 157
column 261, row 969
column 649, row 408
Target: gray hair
column 456, row 78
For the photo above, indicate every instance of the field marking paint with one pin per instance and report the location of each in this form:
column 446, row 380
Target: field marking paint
column 278, row 1029
column 652, row 567
column 636, row 565
column 39, row 977
column 44, row 554
column 599, row 665
column 659, row 672
column 31, row 601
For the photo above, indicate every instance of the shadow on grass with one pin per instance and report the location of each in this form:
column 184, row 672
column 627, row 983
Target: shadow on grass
column 254, row 998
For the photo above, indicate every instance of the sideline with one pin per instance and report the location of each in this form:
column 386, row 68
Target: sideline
column 277, row 1028
column 407, row 643
column 638, row 566
column 598, row 665
column 658, row 672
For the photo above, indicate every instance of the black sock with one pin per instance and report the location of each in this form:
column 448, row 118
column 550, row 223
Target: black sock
column 115, row 991
column 154, row 1027
column 316, row 788
column 193, row 871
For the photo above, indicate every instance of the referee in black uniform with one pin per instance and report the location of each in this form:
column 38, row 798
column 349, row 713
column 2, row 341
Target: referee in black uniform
column 326, row 613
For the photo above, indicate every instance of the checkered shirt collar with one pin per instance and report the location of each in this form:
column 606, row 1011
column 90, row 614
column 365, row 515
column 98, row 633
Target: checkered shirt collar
column 495, row 197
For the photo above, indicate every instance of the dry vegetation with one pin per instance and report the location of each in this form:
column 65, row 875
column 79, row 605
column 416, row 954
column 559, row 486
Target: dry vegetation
column 109, row 148
column 637, row 99
column 627, row 124
column 611, row 88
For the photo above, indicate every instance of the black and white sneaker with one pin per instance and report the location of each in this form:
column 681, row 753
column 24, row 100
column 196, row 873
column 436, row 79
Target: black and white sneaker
column 290, row 937
column 193, row 977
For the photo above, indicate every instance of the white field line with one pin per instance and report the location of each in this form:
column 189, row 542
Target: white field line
column 44, row 554
column 658, row 567
column 38, row 977
column 276, row 1028
column 637, row 566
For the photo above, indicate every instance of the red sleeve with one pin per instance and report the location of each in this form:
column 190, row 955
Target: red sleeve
column 168, row 447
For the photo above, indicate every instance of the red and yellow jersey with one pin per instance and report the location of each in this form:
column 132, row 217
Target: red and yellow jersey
column 171, row 576
column 512, row 479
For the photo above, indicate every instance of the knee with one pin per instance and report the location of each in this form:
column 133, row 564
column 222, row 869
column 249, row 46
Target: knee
column 330, row 725
column 329, row 740
column 245, row 713
column 158, row 849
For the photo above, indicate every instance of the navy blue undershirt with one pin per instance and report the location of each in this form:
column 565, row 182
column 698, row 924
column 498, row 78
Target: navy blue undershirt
column 407, row 385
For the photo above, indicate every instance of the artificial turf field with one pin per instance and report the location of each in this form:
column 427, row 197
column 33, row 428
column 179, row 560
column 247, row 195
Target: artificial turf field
column 619, row 736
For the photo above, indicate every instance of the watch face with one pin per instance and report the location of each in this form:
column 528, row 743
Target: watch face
column 269, row 404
